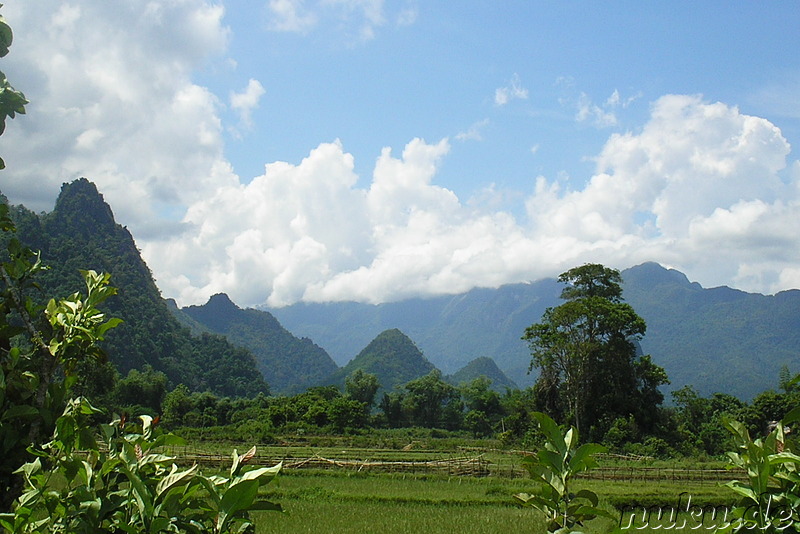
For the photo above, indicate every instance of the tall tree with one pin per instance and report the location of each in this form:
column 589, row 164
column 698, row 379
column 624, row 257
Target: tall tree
column 431, row 402
column 362, row 386
column 586, row 351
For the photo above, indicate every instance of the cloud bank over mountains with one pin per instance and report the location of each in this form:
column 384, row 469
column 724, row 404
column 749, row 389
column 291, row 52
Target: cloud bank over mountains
column 699, row 186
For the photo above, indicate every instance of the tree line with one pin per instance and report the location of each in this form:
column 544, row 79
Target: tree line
column 691, row 425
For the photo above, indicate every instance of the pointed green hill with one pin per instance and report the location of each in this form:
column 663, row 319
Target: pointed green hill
column 483, row 366
column 392, row 357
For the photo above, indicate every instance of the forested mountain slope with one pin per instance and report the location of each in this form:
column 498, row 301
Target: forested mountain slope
column 290, row 365
column 718, row 339
column 81, row 233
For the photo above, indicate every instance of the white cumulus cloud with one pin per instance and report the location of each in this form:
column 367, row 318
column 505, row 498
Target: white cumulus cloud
column 602, row 115
column 473, row 133
column 697, row 188
column 706, row 180
column 291, row 16
column 359, row 19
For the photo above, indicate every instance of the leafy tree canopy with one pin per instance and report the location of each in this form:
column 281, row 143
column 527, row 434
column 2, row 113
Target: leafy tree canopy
column 586, row 351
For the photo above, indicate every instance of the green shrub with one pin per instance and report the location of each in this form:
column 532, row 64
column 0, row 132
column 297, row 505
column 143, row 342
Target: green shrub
column 770, row 496
column 553, row 468
column 128, row 484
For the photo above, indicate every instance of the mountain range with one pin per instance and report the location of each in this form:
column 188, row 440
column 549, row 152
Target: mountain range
column 717, row 339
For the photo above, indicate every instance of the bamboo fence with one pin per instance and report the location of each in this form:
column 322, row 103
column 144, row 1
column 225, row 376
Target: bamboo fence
column 459, row 466
column 467, row 466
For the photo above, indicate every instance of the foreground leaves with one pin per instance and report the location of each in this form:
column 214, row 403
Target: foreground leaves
column 553, row 468
column 769, row 499
column 125, row 483
column 39, row 351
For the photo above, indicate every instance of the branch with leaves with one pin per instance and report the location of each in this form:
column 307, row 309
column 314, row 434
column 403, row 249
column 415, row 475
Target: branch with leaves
column 11, row 100
column 553, row 468
column 129, row 484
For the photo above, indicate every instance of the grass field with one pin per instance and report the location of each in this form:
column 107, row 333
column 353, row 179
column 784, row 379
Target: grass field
column 327, row 501
column 364, row 501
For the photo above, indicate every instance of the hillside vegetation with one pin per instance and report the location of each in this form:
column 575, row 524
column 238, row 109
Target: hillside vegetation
column 81, row 233
column 392, row 357
column 289, row 364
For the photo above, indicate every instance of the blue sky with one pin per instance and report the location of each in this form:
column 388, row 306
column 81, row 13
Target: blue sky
column 372, row 150
column 437, row 77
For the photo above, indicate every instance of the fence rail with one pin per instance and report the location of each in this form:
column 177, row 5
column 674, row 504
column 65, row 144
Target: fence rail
column 663, row 474
column 473, row 466
column 462, row 466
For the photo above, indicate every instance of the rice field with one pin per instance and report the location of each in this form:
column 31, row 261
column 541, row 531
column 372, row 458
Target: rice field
column 350, row 495
column 327, row 501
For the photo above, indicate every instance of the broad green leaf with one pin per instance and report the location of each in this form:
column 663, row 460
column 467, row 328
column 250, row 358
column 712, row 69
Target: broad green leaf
column 168, row 439
column 239, row 461
column 108, row 325
column 159, row 524
column 551, row 459
column 262, row 472
column 550, row 430
column 109, row 465
column 590, row 512
column 175, row 478
column 6, row 521
column 582, row 459
column 784, row 457
column 156, row 459
column 794, row 415
column 87, row 408
column 737, row 429
column 212, row 489
column 570, row 441
column 6, row 36
column 743, row 490
column 30, row 468
column 218, row 480
column 87, row 472
column 140, row 493
column 234, row 463
column 236, row 498
column 147, row 423
column 588, row 495
column 524, row 497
